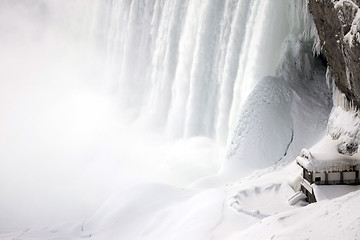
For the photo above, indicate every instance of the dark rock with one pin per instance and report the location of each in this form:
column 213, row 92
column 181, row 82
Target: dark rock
column 348, row 148
column 343, row 58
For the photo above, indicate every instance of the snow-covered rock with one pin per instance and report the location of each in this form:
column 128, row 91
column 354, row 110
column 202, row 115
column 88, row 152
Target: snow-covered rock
column 344, row 126
column 338, row 25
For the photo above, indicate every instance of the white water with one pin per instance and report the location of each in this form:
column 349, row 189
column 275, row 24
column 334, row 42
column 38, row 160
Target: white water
column 187, row 66
column 183, row 67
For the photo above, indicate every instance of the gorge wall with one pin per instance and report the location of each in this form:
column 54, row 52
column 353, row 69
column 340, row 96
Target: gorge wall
column 338, row 25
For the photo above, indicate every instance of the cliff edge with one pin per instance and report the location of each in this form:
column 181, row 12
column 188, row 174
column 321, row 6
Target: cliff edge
column 338, row 25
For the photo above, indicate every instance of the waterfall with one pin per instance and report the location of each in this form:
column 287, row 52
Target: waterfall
column 187, row 66
column 183, row 67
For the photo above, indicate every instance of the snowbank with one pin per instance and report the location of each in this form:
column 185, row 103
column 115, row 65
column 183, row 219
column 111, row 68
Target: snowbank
column 327, row 192
column 344, row 126
column 326, row 157
column 332, row 219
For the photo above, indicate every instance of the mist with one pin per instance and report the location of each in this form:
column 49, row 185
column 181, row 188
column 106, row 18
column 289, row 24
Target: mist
column 67, row 141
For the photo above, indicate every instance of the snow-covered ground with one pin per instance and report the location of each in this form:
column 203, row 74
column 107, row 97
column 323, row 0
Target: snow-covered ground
column 252, row 209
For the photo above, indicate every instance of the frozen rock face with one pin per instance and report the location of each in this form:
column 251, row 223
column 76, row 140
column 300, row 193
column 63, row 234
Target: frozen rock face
column 345, row 126
column 338, row 25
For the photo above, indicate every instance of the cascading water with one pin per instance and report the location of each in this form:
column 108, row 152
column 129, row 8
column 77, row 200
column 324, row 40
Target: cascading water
column 188, row 65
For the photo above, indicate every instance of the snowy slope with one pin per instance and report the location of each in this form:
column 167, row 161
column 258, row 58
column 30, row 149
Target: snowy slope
column 332, row 219
column 155, row 211
column 252, row 209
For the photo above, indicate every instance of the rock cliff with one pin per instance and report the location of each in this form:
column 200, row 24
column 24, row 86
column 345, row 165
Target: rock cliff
column 338, row 25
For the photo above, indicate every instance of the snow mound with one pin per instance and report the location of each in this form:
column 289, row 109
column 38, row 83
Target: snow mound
column 282, row 115
column 194, row 218
column 264, row 119
column 345, row 126
column 130, row 210
column 332, row 219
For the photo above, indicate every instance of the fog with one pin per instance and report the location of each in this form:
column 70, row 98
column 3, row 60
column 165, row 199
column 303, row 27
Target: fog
column 66, row 140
